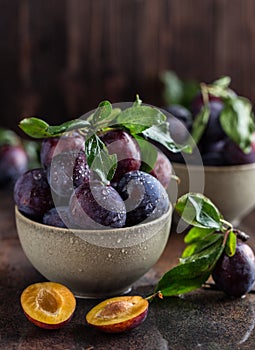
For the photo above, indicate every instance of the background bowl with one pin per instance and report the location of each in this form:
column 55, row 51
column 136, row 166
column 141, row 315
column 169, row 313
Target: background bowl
column 94, row 263
column 230, row 188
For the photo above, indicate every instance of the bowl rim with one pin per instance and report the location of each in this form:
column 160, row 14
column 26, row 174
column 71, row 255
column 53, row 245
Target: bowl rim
column 112, row 230
column 215, row 168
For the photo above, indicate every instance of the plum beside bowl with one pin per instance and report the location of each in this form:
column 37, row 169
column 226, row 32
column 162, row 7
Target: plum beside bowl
column 94, row 263
column 229, row 187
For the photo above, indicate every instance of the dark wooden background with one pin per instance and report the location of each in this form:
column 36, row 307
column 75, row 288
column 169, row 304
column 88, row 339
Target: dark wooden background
column 60, row 58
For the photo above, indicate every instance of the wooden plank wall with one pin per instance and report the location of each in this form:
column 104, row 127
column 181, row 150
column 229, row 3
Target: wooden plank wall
column 59, row 58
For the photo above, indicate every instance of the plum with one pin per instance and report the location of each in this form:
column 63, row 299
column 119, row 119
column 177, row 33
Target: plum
column 52, row 146
column 213, row 131
column 235, row 275
column 95, row 205
column 126, row 148
column 32, row 193
column 57, row 216
column 197, row 103
column 235, row 155
column 145, row 197
column 13, row 163
column 180, row 113
column 48, row 305
column 67, row 171
column 214, row 153
column 162, row 169
column 118, row 314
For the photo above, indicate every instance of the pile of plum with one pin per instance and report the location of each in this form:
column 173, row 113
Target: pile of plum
column 65, row 192
column 215, row 146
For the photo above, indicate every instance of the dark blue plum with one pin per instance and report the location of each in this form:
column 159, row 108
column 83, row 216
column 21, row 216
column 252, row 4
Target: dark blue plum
column 144, row 196
column 57, row 216
column 126, row 148
column 162, row 169
column 213, row 131
column 235, row 275
column 96, row 206
column 198, row 103
column 235, row 155
column 13, row 163
column 67, row 171
column 52, row 146
column 181, row 113
column 32, row 193
column 214, row 153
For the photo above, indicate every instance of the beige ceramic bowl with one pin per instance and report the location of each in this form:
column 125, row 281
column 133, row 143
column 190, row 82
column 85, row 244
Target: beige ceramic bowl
column 230, row 188
column 94, row 263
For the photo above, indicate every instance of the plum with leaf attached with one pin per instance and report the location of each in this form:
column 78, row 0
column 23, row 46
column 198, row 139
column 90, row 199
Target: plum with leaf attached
column 125, row 147
column 235, row 275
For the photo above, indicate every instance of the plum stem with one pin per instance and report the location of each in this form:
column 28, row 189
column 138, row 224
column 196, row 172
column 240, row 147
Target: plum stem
column 154, row 295
column 229, row 226
column 205, row 94
column 241, row 235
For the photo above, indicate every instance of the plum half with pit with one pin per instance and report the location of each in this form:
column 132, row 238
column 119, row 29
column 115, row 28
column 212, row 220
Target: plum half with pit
column 118, row 314
column 235, row 275
column 144, row 196
column 32, row 193
column 126, row 148
column 95, row 205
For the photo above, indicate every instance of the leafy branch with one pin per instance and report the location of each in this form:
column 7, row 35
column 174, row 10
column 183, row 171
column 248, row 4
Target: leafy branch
column 209, row 236
column 144, row 122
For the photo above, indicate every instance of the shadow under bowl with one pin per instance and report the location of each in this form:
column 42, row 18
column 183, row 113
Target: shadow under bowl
column 94, row 263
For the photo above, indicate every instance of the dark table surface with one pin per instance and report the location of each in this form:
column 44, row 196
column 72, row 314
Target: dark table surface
column 204, row 319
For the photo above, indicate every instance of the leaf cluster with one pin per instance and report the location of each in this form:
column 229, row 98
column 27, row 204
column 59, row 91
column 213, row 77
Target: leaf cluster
column 209, row 236
column 236, row 117
column 143, row 122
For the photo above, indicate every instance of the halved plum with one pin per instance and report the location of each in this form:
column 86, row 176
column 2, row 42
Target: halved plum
column 118, row 314
column 48, row 305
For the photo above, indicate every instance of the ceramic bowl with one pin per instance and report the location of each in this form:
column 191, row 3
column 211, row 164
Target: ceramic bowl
column 230, row 188
column 94, row 263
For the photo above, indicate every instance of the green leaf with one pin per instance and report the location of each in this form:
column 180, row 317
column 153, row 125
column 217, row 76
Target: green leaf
column 190, row 274
column 237, row 121
column 197, row 233
column 177, row 91
column 160, row 133
column 8, row 137
column 222, row 82
column 201, row 245
column 198, row 210
column 138, row 118
column 38, row 128
column 173, row 88
column 99, row 160
column 148, row 154
column 102, row 112
column 200, row 123
column 230, row 247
